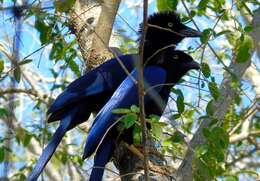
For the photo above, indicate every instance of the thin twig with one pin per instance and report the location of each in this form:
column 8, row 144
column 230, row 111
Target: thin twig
column 141, row 91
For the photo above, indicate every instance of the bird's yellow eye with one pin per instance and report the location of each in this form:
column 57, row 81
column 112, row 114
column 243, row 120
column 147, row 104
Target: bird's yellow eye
column 175, row 57
column 170, row 24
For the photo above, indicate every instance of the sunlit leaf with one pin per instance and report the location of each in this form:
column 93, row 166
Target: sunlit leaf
column 121, row 111
column 244, row 47
column 203, row 4
column 74, row 67
column 43, row 29
column 230, row 178
column 249, row 172
column 167, row 5
column 205, row 35
column 201, row 150
column 1, row 66
column 135, row 109
column 64, row 5
column 180, row 104
column 129, row 120
column 214, row 90
column 205, row 69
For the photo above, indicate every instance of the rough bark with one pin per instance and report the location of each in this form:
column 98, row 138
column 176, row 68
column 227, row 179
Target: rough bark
column 185, row 171
column 83, row 18
column 99, row 52
column 92, row 24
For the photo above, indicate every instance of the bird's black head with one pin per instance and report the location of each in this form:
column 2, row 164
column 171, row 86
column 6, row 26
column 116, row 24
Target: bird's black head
column 177, row 63
column 165, row 28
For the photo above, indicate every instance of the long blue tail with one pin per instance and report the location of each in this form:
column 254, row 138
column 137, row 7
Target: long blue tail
column 102, row 156
column 51, row 147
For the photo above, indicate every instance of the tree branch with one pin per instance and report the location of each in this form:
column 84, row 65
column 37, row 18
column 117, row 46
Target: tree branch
column 141, row 92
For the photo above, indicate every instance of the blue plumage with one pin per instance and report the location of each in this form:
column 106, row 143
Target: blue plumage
column 90, row 92
column 158, row 81
column 125, row 96
column 98, row 82
column 102, row 157
column 50, row 149
column 100, row 79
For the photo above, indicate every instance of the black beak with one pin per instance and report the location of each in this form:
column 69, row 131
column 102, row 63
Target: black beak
column 189, row 32
column 193, row 65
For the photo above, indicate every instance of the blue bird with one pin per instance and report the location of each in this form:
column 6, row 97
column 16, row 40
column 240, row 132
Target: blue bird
column 159, row 79
column 90, row 92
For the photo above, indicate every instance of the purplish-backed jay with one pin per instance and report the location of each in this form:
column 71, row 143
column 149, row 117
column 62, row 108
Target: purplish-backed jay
column 158, row 80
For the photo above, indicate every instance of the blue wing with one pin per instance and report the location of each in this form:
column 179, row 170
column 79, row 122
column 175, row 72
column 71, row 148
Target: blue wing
column 125, row 96
column 102, row 156
column 52, row 145
column 106, row 77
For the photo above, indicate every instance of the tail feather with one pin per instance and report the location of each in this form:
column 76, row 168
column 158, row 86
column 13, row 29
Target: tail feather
column 102, row 156
column 51, row 147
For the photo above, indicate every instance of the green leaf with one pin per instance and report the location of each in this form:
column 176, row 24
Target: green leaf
column 54, row 74
column 74, row 67
column 206, row 132
column 137, row 134
column 27, row 138
column 25, row 61
column 3, row 112
column 209, row 108
column 244, row 47
column 175, row 116
column 230, row 178
column 2, row 154
column 213, row 122
column 248, row 29
column 121, row 111
column 205, row 35
column 237, row 99
column 203, row 4
column 205, row 70
column 135, row 109
column 153, row 118
column 17, row 74
column 214, row 91
column 220, row 156
column 129, row 120
column 222, row 33
column 64, row 5
column 176, row 138
column 180, row 100
column 220, row 137
column 157, row 129
column 201, row 150
column 180, row 104
column 44, row 30
column 167, row 5
column 1, row 66
column 249, row 172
